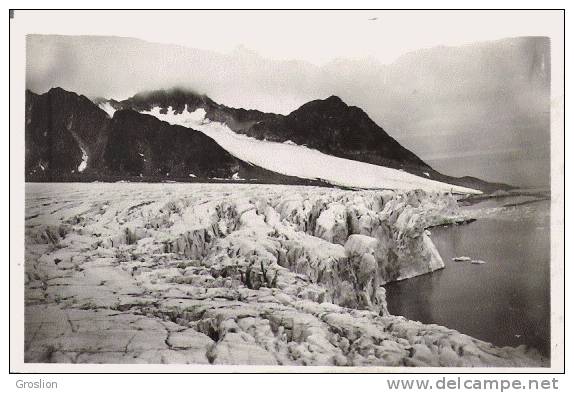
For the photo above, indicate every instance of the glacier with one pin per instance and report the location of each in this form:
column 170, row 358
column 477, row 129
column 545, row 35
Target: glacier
column 235, row 274
column 294, row 160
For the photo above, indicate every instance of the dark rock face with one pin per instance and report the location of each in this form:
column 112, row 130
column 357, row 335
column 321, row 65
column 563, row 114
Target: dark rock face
column 141, row 144
column 59, row 125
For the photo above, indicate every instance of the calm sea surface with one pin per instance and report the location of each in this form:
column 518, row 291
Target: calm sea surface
column 505, row 301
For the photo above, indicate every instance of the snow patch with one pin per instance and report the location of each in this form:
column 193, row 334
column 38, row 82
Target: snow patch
column 235, row 176
column 84, row 164
column 108, row 108
column 301, row 161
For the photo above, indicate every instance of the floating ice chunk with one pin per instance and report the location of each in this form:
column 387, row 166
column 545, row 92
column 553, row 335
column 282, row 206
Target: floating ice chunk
column 461, row 259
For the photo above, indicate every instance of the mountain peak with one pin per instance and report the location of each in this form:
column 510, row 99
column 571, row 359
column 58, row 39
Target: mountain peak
column 334, row 98
column 58, row 91
column 333, row 101
column 330, row 104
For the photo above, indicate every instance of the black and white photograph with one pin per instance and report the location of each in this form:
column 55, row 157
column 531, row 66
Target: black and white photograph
column 290, row 190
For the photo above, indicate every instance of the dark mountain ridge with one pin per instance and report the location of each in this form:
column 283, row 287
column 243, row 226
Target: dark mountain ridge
column 60, row 127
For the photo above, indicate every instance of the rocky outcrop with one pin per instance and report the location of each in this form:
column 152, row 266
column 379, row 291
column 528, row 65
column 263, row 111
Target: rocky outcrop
column 220, row 274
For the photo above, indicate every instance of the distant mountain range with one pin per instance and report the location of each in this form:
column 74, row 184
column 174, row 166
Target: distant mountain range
column 71, row 138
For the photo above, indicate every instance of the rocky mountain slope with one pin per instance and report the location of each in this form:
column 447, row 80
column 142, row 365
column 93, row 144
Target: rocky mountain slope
column 235, row 274
column 62, row 128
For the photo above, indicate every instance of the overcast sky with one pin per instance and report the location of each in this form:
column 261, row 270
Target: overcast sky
column 465, row 105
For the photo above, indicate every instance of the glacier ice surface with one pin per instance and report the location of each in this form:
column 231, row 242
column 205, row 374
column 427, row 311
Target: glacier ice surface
column 234, row 274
